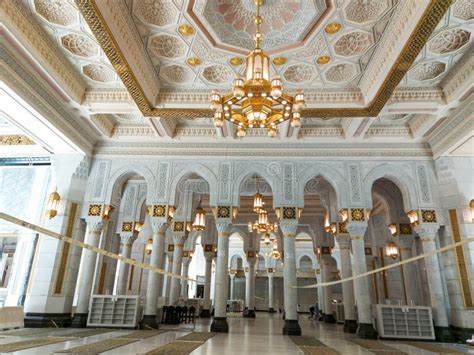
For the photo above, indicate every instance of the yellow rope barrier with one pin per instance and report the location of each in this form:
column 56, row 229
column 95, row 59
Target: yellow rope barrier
column 406, row 261
column 92, row 248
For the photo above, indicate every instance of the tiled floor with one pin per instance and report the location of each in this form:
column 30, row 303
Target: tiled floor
column 247, row 336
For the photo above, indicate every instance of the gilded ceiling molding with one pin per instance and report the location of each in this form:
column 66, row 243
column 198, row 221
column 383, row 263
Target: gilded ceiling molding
column 15, row 139
column 429, row 20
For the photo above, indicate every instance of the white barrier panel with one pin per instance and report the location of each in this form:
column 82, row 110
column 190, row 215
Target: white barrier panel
column 11, row 317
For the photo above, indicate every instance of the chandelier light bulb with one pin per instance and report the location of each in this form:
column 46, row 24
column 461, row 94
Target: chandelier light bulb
column 295, row 122
column 272, row 132
column 241, row 132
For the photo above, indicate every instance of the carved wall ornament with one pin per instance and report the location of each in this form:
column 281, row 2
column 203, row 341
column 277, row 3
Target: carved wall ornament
column 342, row 227
column 357, row 214
column 341, row 72
column 79, row 45
column 156, row 12
column 299, row 73
column 463, row 9
column 167, row 46
column 449, row 41
column 159, row 211
column 428, row 216
column 353, row 43
column 15, row 139
column 217, row 74
column 170, row 248
column 127, row 226
column 405, row 228
column 95, row 210
column 98, row 72
column 365, row 11
column 426, row 71
column 223, row 212
column 289, row 213
column 177, row 74
column 368, row 251
column 58, row 12
column 178, row 226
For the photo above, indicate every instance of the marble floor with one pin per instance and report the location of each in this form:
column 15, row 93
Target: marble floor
column 261, row 335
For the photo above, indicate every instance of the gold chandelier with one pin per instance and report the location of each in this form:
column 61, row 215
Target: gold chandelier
column 256, row 100
column 262, row 225
column 274, row 253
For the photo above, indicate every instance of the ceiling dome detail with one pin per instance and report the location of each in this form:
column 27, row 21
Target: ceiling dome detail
column 79, row 45
column 56, row 11
column 463, row 9
column 177, row 74
column 365, row 11
column 353, row 43
column 341, row 73
column 449, row 41
column 156, row 12
column 217, row 74
column 98, row 72
column 299, row 73
column 427, row 70
column 167, row 46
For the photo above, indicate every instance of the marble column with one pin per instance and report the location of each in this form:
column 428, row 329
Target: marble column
column 361, row 286
column 206, row 311
column 154, row 283
column 270, row 292
column 350, row 322
column 328, row 262
column 291, row 326
column 409, row 276
column 169, row 268
column 250, row 288
column 428, row 234
column 232, row 285
column 184, row 283
column 87, row 267
column 126, row 242
column 319, row 280
column 175, row 283
column 219, row 323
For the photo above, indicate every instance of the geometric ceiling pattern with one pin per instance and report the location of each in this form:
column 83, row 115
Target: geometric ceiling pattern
column 448, row 43
column 221, row 34
column 61, row 20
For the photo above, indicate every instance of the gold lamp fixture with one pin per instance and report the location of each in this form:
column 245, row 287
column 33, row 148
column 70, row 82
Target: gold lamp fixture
column 257, row 100
column 199, row 220
column 53, row 204
column 391, row 250
column 274, row 253
column 261, row 225
column 257, row 198
column 148, row 246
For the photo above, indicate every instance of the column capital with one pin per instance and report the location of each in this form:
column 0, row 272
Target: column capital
column 427, row 231
column 187, row 260
column 127, row 239
column 179, row 239
column 158, row 227
column 209, row 256
column 357, row 229
column 94, row 227
column 289, row 228
column 344, row 240
column 251, row 261
column 223, row 228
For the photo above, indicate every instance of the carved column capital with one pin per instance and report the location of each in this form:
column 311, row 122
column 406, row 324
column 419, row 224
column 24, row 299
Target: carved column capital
column 357, row 229
column 289, row 228
column 223, row 228
column 251, row 261
column 159, row 227
column 127, row 239
column 427, row 231
column 95, row 227
column 179, row 239
column 344, row 240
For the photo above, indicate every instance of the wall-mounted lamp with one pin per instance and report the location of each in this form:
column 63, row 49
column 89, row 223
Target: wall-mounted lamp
column 413, row 217
column 53, row 205
column 344, row 214
column 171, row 211
column 471, row 204
column 200, row 219
column 393, row 229
column 149, row 246
column 108, row 211
column 391, row 250
column 138, row 227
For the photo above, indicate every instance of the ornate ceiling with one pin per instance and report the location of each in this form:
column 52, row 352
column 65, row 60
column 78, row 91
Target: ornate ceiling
column 143, row 69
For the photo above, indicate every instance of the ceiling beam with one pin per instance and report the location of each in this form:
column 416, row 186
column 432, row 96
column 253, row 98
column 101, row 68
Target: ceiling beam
column 163, row 127
column 355, row 128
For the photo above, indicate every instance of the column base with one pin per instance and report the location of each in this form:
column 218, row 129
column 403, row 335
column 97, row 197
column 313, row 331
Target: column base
column 249, row 313
column 350, row 326
column 271, row 310
column 219, row 325
column 329, row 318
column 149, row 321
column 205, row 313
column 291, row 327
column 462, row 334
column 41, row 320
column 79, row 320
column 443, row 334
column 366, row 331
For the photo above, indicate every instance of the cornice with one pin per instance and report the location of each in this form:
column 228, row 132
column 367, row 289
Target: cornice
column 279, row 150
column 388, row 131
column 41, row 99
column 459, row 79
column 417, row 94
column 321, row 132
column 19, row 21
column 459, row 124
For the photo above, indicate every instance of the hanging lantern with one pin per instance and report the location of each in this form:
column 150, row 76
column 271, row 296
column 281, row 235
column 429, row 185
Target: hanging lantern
column 257, row 202
column 266, row 239
column 53, row 205
column 200, row 220
column 471, row 205
column 391, row 250
column 149, row 246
